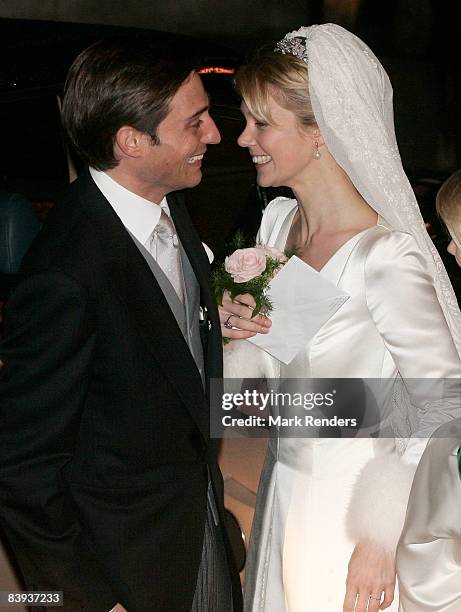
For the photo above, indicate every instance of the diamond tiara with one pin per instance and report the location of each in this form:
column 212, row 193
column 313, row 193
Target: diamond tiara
column 293, row 46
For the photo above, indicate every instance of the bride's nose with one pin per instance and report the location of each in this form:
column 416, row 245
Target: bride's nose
column 246, row 138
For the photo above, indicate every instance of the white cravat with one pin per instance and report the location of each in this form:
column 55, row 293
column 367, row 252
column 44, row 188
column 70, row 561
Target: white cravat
column 164, row 247
column 138, row 215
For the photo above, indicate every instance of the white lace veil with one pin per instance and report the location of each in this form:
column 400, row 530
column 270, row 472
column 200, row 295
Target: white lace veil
column 352, row 102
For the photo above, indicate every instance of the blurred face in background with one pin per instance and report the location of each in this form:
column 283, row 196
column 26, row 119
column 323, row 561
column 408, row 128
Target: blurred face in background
column 454, row 249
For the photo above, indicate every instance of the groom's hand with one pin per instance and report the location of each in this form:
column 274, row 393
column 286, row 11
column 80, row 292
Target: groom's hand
column 236, row 317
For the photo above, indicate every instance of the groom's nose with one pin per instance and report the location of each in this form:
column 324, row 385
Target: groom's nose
column 210, row 133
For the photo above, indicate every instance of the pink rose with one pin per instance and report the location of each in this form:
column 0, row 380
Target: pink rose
column 273, row 252
column 245, row 264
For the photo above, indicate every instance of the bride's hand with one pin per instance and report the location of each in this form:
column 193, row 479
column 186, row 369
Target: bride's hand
column 371, row 572
column 237, row 313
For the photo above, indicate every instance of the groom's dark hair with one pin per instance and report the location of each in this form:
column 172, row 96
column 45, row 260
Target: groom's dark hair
column 118, row 82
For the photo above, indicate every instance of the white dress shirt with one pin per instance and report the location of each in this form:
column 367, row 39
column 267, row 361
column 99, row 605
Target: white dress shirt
column 138, row 215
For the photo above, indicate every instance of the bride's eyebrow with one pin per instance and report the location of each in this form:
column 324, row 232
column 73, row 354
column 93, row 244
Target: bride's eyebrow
column 246, row 111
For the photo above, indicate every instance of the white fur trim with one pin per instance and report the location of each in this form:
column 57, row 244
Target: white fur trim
column 379, row 501
column 243, row 359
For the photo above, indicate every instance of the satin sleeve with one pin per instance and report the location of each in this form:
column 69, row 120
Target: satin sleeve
column 429, row 553
column 273, row 218
column 403, row 303
column 243, row 360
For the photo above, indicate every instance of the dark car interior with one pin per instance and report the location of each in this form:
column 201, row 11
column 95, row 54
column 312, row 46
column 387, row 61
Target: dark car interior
column 37, row 163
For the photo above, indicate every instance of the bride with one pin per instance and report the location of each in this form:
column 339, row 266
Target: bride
column 318, row 113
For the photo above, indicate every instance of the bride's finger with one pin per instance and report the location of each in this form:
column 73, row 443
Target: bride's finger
column 246, row 300
column 388, row 595
column 258, row 324
column 237, row 310
column 349, row 599
column 363, row 601
column 374, row 601
column 231, row 331
column 243, row 305
column 241, row 317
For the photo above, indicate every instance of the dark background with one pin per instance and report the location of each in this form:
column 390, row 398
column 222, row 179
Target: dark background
column 417, row 41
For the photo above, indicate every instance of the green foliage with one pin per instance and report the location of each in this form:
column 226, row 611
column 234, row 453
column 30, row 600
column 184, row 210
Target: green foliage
column 290, row 252
column 240, row 241
column 257, row 287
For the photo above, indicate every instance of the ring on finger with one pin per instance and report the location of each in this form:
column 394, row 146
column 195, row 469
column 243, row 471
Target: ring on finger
column 242, row 304
column 227, row 324
column 375, row 598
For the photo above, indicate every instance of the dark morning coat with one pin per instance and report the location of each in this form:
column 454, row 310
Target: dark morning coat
column 104, row 442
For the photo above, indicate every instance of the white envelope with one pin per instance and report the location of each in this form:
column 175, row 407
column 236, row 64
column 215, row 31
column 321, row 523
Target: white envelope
column 303, row 301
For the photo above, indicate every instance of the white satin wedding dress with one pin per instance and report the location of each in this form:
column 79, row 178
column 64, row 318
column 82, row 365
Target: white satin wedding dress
column 318, row 497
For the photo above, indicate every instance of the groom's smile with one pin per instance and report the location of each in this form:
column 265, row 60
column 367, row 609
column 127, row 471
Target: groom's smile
column 175, row 162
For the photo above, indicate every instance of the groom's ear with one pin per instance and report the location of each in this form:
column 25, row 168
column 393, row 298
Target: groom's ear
column 128, row 142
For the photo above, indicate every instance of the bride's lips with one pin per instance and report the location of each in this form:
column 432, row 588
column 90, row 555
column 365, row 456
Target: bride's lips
column 261, row 160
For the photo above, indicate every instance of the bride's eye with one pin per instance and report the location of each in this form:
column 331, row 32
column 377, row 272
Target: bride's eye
column 260, row 124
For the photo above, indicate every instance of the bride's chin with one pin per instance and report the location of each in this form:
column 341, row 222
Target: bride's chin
column 264, row 181
column 268, row 183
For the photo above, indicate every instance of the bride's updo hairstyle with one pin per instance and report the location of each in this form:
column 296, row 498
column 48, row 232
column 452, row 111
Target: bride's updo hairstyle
column 284, row 77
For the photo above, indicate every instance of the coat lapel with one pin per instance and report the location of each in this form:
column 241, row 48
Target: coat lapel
column 140, row 292
column 201, row 266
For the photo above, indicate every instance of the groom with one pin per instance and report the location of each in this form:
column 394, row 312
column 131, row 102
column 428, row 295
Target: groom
column 109, row 486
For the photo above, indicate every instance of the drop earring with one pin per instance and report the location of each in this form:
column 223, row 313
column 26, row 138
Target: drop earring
column 317, row 154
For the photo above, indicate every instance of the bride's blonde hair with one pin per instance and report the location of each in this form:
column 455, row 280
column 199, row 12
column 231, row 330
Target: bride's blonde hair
column 284, row 77
column 448, row 204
